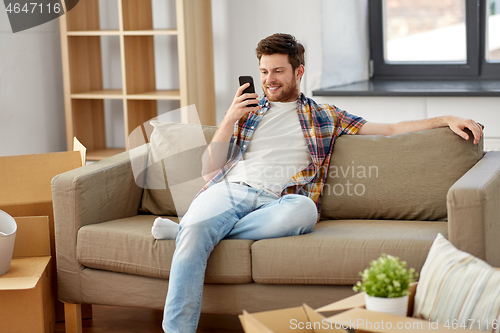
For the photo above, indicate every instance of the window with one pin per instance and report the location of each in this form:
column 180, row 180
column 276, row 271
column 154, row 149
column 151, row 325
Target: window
column 435, row 39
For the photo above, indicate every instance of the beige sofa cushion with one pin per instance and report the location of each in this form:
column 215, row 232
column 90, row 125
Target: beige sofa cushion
column 178, row 165
column 399, row 177
column 336, row 251
column 127, row 246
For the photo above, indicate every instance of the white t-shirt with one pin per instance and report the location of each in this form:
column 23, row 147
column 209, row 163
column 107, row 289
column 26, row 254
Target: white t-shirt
column 276, row 152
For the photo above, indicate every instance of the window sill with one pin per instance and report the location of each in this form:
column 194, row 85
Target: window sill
column 374, row 87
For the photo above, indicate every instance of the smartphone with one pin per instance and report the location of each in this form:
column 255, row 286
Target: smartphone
column 248, row 90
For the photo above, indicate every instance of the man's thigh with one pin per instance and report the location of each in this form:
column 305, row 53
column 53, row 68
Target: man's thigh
column 221, row 199
column 289, row 215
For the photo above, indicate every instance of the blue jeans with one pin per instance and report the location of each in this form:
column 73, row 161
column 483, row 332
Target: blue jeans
column 231, row 211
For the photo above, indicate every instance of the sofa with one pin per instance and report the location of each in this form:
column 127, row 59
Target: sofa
column 389, row 195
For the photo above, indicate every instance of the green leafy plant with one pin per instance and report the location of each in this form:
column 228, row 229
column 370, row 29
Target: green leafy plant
column 386, row 277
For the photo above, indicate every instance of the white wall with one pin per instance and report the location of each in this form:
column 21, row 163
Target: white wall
column 239, row 25
column 31, row 90
column 346, row 45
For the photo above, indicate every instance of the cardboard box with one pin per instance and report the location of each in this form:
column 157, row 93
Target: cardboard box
column 354, row 317
column 26, row 297
column 25, row 183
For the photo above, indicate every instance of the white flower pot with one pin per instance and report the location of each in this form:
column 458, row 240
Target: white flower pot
column 396, row 306
column 8, row 228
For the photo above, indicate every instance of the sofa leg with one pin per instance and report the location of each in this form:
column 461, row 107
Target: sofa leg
column 73, row 317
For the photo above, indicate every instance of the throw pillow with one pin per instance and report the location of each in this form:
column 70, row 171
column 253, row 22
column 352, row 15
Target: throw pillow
column 458, row 289
column 173, row 176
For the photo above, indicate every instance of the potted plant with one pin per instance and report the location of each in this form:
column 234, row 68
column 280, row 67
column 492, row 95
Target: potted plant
column 386, row 284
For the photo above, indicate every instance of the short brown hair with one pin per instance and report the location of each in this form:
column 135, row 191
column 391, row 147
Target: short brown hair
column 284, row 44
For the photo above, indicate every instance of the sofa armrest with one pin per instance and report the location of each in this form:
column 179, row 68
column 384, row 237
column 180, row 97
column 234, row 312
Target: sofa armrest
column 99, row 192
column 474, row 210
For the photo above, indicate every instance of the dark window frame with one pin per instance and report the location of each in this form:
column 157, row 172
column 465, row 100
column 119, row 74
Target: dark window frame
column 489, row 70
column 476, row 66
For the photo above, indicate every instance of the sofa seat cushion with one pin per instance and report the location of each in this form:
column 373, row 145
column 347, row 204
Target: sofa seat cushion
column 337, row 250
column 127, row 246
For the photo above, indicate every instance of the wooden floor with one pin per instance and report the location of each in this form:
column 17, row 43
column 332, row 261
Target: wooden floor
column 111, row 319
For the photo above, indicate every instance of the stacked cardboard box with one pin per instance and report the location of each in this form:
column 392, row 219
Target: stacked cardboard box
column 25, row 183
column 26, row 298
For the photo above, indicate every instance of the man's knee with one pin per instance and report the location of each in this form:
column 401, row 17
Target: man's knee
column 303, row 211
column 301, row 202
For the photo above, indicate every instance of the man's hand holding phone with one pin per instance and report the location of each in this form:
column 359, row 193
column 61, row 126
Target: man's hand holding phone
column 244, row 101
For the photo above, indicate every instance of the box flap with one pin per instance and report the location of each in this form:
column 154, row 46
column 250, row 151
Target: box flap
column 278, row 320
column 26, row 178
column 252, row 325
column 355, row 301
column 24, row 273
column 32, row 237
column 77, row 146
column 315, row 317
column 298, row 319
column 378, row 322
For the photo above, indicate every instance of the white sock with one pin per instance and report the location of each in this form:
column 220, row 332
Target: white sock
column 164, row 229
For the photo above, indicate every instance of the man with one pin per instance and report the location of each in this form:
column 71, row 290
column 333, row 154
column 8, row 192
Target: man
column 266, row 167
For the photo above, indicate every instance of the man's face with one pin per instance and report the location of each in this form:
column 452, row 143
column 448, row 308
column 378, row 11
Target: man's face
column 279, row 82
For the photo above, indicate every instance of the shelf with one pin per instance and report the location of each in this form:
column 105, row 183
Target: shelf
column 120, row 69
column 118, row 94
column 94, row 33
column 101, row 154
column 157, row 94
column 153, row 32
column 99, row 94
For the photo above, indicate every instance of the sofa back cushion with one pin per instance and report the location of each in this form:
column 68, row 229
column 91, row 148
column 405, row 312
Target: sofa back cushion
column 398, row 177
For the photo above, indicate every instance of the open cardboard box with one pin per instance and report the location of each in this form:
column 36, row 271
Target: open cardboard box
column 26, row 298
column 25, row 181
column 354, row 317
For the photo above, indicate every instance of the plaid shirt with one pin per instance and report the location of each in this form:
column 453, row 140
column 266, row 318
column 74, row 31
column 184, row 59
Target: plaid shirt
column 321, row 125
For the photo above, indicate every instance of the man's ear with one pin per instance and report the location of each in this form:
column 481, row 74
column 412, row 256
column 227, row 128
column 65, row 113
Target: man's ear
column 299, row 72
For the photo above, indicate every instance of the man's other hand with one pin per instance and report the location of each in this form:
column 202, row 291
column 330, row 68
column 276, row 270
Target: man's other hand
column 458, row 125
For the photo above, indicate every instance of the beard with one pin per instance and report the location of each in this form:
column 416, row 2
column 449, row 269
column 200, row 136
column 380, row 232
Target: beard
column 287, row 92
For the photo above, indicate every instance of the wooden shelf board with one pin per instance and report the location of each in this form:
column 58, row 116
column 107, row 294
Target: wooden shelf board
column 100, row 94
column 94, row 33
column 157, row 94
column 97, row 155
column 150, row 32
